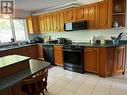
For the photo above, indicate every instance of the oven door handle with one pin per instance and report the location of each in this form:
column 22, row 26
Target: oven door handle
column 70, row 50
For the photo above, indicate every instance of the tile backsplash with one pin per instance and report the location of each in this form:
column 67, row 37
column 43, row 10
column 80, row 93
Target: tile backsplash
column 84, row 35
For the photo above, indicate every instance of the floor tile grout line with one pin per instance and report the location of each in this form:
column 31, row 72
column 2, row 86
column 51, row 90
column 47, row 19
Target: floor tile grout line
column 110, row 87
column 95, row 85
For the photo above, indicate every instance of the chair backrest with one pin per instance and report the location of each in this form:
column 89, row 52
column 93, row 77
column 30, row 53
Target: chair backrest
column 37, row 78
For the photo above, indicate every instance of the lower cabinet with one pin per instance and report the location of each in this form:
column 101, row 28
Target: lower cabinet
column 105, row 61
column 58, row 55
column 119, row 63
column 91, row 56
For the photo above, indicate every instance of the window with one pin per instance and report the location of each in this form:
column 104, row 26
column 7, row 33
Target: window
column 15, row 28
column 5, row 30
column 20, row 29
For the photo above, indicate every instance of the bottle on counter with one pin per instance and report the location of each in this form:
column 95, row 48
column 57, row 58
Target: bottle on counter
column 93, row 39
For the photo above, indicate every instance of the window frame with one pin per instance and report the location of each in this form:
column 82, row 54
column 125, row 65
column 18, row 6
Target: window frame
column 13, row 29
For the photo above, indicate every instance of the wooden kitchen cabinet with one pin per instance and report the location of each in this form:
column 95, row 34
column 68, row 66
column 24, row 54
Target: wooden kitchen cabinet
column 119, row 62
column 111, row 61
column 33, row 24
column 58, row 55
column 91, row 58
column 69, row 15
column 92, row 16
column 98, row 15
column 79, row 13
column 62, row 21
column 104, row 14
column 55, row 19
column 29, row 25
column 105, row 61
column 41, row 23
column 40, row 52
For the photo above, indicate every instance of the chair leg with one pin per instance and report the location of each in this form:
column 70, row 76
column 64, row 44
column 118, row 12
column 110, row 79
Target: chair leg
column 43, row 92
column 45, row 88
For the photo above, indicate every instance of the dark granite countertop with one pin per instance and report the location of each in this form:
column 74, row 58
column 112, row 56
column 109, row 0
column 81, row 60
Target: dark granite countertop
column 11, row 59
column 11, row 80
column 122, row 42
column 5, row 48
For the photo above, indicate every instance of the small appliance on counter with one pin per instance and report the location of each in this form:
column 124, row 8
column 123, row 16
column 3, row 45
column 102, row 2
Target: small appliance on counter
column 64, row 41
column 36, row 40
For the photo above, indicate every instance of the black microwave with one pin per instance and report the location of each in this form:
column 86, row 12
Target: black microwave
column 78, row 25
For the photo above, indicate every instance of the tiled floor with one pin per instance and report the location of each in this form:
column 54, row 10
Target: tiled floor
column 63, row 82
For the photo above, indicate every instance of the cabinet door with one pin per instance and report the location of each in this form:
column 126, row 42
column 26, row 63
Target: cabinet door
column 92, row 16
column 119, row 63
column 34, row 52
column 103, row 14
column 40, row 51
column 79, row 13
column 41, row 23
column 86, row 11
column 54, row 22
column 69, row 15
column 29, row 25
column 62, row 21
column 33, row 24
column 58, row 55
column 36, row 26
column 91, row 59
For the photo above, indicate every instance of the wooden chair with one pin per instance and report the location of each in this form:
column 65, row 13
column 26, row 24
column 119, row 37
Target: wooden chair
column 37, row 84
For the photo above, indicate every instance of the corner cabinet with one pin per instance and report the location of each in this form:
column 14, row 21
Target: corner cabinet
column 105, row 61
column 33, row 25
column 58, row 55
column 119, row 62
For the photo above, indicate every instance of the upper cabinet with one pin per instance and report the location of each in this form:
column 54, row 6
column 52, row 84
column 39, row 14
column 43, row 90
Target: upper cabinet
column 33, row 25
column 69, row 15
column 79, row 13
column 92, row 16
column 118, row 12
column 104, row 14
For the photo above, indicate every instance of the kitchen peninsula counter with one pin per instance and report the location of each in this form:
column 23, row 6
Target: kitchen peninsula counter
column 8, row 82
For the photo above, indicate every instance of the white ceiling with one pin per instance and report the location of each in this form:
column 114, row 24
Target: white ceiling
column 33, row 5
column 37, row 5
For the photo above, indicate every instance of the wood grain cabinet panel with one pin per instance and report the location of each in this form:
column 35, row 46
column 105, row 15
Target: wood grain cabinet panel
column 103, row 15
column 91, row 57
column 92, row 16
column 62, row 21
column 29, row 25
column 69, row 15
column 58, row 55
column 119, row 63
column 33, row 25
column 86, row 10
column 79, row 13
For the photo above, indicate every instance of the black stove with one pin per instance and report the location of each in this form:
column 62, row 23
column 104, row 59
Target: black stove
column 73, row 57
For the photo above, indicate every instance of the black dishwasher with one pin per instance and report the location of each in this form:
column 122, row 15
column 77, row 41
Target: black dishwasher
column 48, row 54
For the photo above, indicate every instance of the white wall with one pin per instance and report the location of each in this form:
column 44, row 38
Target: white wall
column 85, row 35
column 21, row 13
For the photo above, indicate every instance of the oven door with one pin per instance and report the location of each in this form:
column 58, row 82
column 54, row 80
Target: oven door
column 73, row 60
